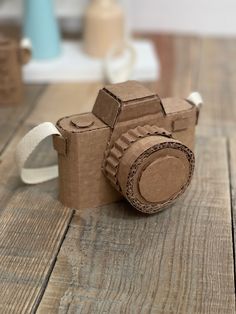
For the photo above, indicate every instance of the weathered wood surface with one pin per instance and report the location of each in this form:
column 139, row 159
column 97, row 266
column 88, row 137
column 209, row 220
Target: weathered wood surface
column 216, row 81
column 12, row 117
column 232, row 167
column 181, row 261
column 114, row 260
column 65, row 99
column 32, row 222
column 32, row 226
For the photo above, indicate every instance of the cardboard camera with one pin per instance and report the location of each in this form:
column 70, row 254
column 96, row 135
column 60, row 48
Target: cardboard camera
column 132, row 145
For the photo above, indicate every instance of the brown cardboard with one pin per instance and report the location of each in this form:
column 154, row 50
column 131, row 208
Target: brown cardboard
column 133, row 144
column 108, row 114
column 81, row 181
column 171, row 165
column 180, row 124
column 129, row 91
column 12, row 56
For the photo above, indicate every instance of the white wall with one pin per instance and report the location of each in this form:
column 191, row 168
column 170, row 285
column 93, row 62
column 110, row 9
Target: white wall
column 217, row 17
column 197, row 16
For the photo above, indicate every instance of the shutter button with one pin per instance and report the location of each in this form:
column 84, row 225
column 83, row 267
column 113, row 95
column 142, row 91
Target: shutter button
column 82, row 122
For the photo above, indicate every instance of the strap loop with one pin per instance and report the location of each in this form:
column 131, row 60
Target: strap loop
column 196, row 99
column 25, row 148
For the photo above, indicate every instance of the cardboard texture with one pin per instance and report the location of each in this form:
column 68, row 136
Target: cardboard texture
column 104, row 27
column 12, row 57
column 132, row 145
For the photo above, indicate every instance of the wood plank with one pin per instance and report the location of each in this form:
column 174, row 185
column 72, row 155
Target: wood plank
column 216, row 82
column 179, row 57
column 32, row 226
column 60, row 100
column 186, row 65
column 32, row 222
column 232, row 166
column 192, row 63
column 115, row 260
column 164, row 46
column 12, row 116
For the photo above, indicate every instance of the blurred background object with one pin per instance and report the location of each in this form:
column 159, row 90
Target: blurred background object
column 141, row 62
column 104, row 26
column 185, row 16
column 105, row 51
column 41, row 27
column 12, row 56
column 120, row 69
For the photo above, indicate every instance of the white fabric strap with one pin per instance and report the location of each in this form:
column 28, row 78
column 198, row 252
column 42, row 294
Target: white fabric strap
column 27, row 145
column 196, row 99
column 25, row 43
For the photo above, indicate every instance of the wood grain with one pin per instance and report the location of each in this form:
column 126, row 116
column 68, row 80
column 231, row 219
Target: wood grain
column 61, row 100
column 12, row 116
column 32, row 221
column 187, row 52
column 164, row 46
column 216, row 82
column 232, row 167
column 180, row 58
column 32, row 226
column 115, row 260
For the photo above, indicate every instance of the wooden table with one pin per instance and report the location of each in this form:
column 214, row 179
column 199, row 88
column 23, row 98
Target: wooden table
column 113, row 259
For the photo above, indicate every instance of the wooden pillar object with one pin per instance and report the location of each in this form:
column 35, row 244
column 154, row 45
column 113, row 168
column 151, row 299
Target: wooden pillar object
column 12, row 56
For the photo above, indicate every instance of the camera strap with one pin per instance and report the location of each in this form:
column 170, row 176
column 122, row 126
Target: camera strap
column 196, row 99
column 26, row 147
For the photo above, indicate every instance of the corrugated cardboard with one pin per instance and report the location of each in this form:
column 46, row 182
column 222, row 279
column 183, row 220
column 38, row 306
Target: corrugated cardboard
column 133, row 144
column 81, row 181
column 11, row 59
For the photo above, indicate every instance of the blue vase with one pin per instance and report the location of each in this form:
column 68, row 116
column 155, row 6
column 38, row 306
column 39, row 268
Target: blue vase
column 40, row 26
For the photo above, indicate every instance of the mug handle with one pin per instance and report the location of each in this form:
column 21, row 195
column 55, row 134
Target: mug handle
column 195, row 98
column 125, row 70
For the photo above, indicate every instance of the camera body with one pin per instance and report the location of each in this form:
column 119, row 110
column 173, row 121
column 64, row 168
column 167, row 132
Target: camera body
column 132, row 145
